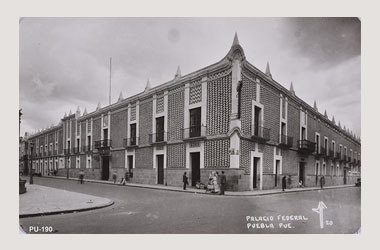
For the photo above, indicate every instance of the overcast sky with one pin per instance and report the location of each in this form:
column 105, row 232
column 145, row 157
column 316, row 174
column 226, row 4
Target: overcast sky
column 64, row 62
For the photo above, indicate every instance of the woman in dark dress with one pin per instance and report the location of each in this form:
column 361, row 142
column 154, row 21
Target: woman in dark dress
column 185, row 182
column 284, row 183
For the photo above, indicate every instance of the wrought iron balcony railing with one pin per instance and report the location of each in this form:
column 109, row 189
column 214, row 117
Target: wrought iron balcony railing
column 159, row 137
column 76, row 150
column 131, row 142
column 305, row 146
column 194, row 132
column 103, row 144
column 67, row 151
column 285, row 141
column 86, row 148
column 260, row 134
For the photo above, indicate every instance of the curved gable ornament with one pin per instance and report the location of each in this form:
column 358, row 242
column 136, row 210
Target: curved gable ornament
column 233, row 130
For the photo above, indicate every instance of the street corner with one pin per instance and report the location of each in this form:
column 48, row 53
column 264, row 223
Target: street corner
column 41, row 200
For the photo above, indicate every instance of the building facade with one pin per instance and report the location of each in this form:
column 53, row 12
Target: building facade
column 228, row 116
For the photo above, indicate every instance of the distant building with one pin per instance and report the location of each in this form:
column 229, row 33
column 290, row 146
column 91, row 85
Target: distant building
column 228, row 116
column 23, row 155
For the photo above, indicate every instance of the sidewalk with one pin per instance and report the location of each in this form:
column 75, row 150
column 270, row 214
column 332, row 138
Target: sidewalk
column 200, row 191
column 40, row 200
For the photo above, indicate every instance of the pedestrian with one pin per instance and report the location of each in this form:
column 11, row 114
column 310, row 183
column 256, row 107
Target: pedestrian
column 216, row 183
column 114, row 176
column 322, row 181
column 185, row 181
column 300, row 184
column 284, row 183
column 223, row 182
column 81, row 176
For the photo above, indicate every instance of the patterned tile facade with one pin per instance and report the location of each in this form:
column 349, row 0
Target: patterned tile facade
column 218, row 105
column 176, row 155
column 217, row 153
column 176, row 102
column 195, row 92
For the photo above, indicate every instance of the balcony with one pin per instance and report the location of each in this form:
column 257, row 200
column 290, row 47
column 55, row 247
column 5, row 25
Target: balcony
column 67, row 151
column 305, row 146
column 337, row 156
column 86, row 149
column 76, row 150
column 194, row 133
column 103, row 144
column 349, row 159
column 158, row 138
column 285, row 141
column 131, row 142
column 330, row 154
column 260, row 134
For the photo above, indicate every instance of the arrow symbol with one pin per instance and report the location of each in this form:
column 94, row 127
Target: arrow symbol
column 319, row 210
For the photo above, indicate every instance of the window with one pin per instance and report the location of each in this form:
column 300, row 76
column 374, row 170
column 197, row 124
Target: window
column 88, row 163
column 195, row 122
column 317, row 144
column 257, row 121
column 105, row 121
column 133, row 134
column 89, row 142
column 160, row 129
column 333, row 147
column 326, row 145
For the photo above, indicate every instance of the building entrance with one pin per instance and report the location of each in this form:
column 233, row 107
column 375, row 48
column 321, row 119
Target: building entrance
column 301, row 172
column 256, row 162
column 195, row 168
column 105, row 168
column 160, row 169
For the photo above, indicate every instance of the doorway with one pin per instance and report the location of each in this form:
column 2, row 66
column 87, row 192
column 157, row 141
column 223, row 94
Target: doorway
column 195, row 168
column 105, row 168
column 256, row 162
column 276, row 173
column 316, row 172
column 344, row 176
column 160, row 169
column 130, row 163
column 301, row 172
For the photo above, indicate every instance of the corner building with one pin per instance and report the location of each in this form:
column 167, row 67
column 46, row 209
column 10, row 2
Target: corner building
column 228, row 116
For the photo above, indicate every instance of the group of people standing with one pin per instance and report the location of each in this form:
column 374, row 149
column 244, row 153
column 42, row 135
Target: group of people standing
column 218, row 182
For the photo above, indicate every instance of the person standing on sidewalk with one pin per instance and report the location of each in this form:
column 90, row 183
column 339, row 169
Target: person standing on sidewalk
column 185, row 181
column 114, row 176
column 223, row 183
column 284, row 183
column 322, row 181
column 81, row 176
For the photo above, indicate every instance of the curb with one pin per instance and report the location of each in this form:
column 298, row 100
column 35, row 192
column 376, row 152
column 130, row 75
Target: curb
column 205, row 193
column 67, row 211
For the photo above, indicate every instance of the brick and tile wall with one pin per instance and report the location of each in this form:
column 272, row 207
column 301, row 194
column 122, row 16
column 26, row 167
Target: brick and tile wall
column 176, row 113
column 145, row 121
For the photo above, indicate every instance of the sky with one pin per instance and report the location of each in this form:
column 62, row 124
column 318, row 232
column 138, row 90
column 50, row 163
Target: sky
column 64, row 62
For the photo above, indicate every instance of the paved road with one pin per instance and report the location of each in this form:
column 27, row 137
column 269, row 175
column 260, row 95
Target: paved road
column 139, row 210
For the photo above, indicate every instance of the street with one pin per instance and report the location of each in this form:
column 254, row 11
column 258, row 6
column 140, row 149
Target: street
column 140, row 210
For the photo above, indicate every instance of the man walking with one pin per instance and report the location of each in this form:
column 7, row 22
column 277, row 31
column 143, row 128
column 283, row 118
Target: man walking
column 223, row 182
column 284, row 183
column 81, row 176
column 185, row 182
